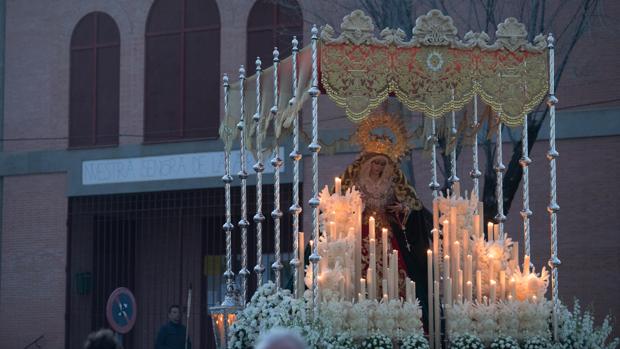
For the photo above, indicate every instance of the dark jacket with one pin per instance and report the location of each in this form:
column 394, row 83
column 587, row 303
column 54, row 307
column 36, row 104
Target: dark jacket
column 171, row 336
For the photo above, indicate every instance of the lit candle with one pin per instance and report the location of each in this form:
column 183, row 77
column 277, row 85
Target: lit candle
column 496, row 232
column 457, row 256
column 492, row 291
column 502, row 284
column 363, row 289
column 446, row 266
column 384, row 240
column 384, row 287
column 435, row 255
column 371, row 227
column 465, row 242
column 460, row 285
column 437, row 331
column 337, row 185
column 468, row 291
column 388, row 290
column 476, row 225
column 372, row 263
column 515, row 253
column 407, row 290
column 371, row 283
column 490, row 231
column 468, row 268
column 513, row 288
column 453, row 224
column 395, row 274
column 479, row 286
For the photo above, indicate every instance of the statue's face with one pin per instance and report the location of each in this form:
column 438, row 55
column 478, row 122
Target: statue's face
column 377, row 166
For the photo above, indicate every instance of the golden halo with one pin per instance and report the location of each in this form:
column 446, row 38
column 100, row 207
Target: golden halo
column 394, row 146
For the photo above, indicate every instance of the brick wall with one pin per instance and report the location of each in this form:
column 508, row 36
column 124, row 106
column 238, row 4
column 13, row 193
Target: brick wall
column 34, row 248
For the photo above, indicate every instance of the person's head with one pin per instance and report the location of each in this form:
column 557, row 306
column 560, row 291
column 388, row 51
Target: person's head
column 280, row 339
column 174, row 313
column 102, row 339
column 377, row 165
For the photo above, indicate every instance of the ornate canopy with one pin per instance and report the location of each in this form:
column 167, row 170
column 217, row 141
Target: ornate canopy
column 435, row 72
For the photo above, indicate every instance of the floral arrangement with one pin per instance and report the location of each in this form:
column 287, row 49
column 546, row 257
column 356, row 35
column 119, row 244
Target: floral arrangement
column 341, row 341
column 530, row 284
column 577, row 330
column 536, row 342
column 515, row 319
column 466, row 341
column 504, row 342
column 377, row 341
column 415, row 341
column 361, row 319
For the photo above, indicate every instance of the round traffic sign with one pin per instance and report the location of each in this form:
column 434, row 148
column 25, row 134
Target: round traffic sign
column 121, row 310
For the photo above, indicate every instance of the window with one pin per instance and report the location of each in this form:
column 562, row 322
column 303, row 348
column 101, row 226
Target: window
column 272, row 24
column 182, row 76
column 94, row 82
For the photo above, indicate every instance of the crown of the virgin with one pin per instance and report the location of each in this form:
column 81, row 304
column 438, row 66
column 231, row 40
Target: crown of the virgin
column 394, row 146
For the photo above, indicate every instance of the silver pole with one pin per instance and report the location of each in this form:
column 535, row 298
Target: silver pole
column 553, row 208
column 243, row 175
column 295, row 155
column 453, row 177
column 499, row 188
column 525, row 162
column 229, row 298
column 276, row 162
column 314, row 147
column 434, row 185
column 259, row 218
column 475, row 172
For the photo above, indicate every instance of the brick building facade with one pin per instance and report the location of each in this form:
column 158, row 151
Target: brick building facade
column 50, row 209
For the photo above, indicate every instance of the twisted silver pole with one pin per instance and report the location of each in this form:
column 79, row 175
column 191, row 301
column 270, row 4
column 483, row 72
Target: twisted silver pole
column 499, row 188
column 475, row 172
column 229, row 298
column 434, row 185
column 453, row 177
column 243, row 175
column 314, row 147
column 276, row 162
column 525, row 162
column 259, row 218
column 554, row 261
column 295, row 155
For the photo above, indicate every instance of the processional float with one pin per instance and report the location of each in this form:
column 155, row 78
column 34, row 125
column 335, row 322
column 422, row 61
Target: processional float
column 436, row 73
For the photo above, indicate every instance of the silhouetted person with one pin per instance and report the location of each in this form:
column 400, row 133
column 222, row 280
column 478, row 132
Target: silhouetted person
column 281, row 339
column 172, row 334
column 102, row 339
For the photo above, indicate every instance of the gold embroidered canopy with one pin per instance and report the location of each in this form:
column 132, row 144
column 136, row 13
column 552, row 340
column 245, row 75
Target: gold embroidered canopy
column 435, row 72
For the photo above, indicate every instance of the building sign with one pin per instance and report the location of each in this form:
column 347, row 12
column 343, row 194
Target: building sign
column 166, row 167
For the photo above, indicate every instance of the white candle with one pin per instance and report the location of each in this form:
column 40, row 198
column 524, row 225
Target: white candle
column 437, row 331
column 460, row 285
column 413, row 293
column 363, row 289
column 490, row 231
column 479, row 286
column 526, row 265
column 502, row 284
column 476, row 225
column 384, row 287
column 388, row 290
column 513, row 288
column 465, row 242
column 435, row 255
column 372, row 262
column 448, row 292
column 453, row 224
column 468, row 268
column 446, row 266
column 332, row 231
column 371, row 227
column 481, row 219
column 337, row 185
column 492, row 291
column 429, row 280
column 468, row 291
column 395, row 287
column 457, row 189
column 515, row 253
column 384, row 240
column 457, row 256
column 407, row 290
column 371, row 283
column 496, row 232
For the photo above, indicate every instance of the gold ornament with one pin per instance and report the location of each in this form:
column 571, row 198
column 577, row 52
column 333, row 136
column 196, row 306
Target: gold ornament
column 394, row 146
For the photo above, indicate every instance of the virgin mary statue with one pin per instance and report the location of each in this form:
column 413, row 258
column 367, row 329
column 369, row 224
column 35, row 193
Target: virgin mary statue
column 391, row 200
